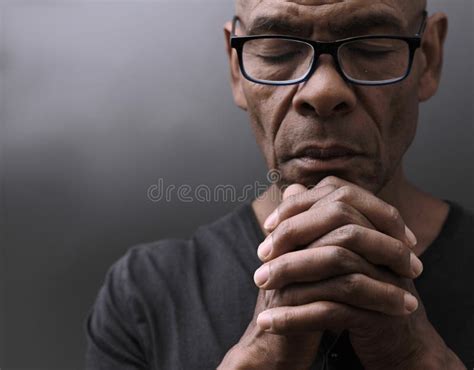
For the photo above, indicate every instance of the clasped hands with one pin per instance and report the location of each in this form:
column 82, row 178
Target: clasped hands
column 339, row 258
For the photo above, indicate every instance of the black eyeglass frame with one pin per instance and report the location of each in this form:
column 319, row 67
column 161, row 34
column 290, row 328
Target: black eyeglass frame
column 327, row 47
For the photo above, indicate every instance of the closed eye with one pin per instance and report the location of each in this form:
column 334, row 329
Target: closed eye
column 281, row 58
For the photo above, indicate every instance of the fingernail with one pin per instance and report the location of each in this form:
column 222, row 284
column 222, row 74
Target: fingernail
column 271, row 221
column 265, row 248
column 264, row 320
column 261, row 275
column 411, row 237
column 416, row 265
column 411, row 303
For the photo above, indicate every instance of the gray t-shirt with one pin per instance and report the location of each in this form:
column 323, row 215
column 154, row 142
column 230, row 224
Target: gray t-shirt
column 182, row 304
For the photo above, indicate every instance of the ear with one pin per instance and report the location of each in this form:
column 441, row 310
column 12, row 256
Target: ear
column 236, row 78
column 432, row 51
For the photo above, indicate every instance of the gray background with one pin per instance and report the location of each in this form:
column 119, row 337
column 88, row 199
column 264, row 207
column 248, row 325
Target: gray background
column 97, row 104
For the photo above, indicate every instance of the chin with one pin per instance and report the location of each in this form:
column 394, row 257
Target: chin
column 367, row 178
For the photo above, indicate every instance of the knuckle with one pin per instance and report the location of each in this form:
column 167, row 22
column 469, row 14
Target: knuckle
column 291, row 200
column 285, row 297
column 351, row 285
column 393, row 214
column 347, row 234
column 384, row 296
column 281, row 210
column 324, row 308
column 401, row 252
column 337, row 253
column 290, row 190
column 351, row 232
column 332, row 179
column 329, row 180
column 326, row 181
column 278, row 270
column 355, row 281
column 344, row 193
column 394, row 298
column 284, row 231
column 284, row 320
column 387, row 299
column 316, row 189
column 400, row 258
column 341, row 210
column 287, row 204
column 341, row 259
column 388, row 292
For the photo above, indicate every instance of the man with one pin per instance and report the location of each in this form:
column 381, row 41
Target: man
column 356, row 267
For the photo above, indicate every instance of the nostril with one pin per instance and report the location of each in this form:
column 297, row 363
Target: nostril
column 307, row 109
column 341, row 107
column 307, row 106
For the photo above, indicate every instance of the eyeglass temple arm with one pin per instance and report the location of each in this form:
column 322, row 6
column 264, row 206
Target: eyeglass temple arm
column 234, row 25
column 423, row 24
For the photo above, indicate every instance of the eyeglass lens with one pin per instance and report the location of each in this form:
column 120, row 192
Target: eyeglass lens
column 286, row 60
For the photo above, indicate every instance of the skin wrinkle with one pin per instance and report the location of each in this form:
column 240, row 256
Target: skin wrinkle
column 273, row 117
column 326, row 110
column 245, row 7
column 279, row 111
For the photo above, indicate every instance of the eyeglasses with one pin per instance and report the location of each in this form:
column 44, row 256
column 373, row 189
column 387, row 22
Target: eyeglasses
column 372, row 60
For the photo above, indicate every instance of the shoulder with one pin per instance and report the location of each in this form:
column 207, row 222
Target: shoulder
column 457, row 231
column 445, row 285
column 457, row 234
column 460, row 220
column 227, row 239
column 222, row 250
column 157, row 286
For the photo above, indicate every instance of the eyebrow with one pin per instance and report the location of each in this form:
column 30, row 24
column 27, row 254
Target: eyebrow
column 265, row 25
column 357, row 24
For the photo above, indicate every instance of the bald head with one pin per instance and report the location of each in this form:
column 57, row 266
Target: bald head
column 241, row 4
column 409, row 7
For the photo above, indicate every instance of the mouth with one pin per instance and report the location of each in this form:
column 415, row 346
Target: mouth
column 323, row 164
column 324, row 153
column 316, row 158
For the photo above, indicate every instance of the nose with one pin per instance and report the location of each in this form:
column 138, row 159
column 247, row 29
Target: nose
column 326, row 93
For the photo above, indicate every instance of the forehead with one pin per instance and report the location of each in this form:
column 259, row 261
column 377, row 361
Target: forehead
column 324, row 16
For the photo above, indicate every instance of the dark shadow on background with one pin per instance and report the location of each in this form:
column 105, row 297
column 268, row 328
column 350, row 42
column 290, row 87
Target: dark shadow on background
column 98, row 104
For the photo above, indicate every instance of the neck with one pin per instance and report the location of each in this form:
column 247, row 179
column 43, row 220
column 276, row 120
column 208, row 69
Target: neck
column 399, row 193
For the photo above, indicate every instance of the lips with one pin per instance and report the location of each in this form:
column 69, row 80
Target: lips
column 325, row 153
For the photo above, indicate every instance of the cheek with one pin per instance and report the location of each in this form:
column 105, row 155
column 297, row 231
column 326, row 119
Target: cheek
column 393, row 114
column 267, row 106
column 260, row 99
column 393, row 110
column 402, row 128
